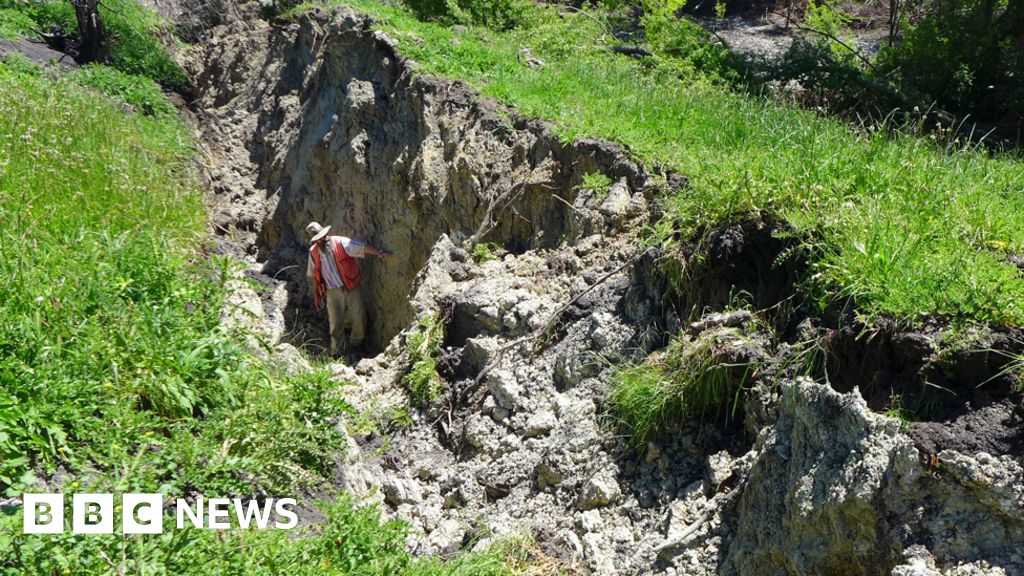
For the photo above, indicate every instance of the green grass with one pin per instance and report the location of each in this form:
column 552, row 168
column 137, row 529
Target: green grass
column 110, row 338
column 14, row 23
column 139, row 92
column 904, row 226
column 352, row 541
column 487, row 251
column 598, row 183
column 690, row 380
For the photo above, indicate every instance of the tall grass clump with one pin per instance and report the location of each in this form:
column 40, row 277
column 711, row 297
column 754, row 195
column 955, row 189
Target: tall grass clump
column 692, row 379
column 97, row 208
column 901, row 225
column 138, row 92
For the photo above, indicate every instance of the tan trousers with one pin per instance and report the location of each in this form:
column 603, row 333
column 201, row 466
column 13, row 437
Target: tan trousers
column 340, row 302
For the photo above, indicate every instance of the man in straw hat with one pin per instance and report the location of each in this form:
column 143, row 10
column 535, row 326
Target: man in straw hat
column 334, row 276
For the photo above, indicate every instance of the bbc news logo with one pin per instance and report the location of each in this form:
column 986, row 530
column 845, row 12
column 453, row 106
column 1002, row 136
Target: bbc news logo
column 143, row 513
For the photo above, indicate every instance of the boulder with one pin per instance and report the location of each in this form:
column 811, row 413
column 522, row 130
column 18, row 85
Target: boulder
column 600, row 490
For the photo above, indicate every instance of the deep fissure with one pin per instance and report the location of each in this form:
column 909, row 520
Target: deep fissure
column 398, row 161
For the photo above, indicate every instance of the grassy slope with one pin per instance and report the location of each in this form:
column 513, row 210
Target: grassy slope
column 901, row 224
column 133, row 31
column 115, row 374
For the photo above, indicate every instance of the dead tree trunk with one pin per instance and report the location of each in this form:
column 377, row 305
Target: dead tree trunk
column 92, row 47
column 895, row 7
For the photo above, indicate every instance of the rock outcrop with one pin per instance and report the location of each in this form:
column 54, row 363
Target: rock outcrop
column 837, row 489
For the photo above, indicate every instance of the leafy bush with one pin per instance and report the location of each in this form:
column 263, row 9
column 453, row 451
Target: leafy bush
column 690, row 379
column 487, row 251
column 829, row 78
column 136, row 50
column 966, row 56
column 422, row 380
column 830, row 19
column 686, row 49
column 14, row 23
column 494, row 14
column 137, row 91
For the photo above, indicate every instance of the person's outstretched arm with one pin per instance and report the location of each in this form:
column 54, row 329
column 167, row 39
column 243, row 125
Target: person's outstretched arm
column 378, row 252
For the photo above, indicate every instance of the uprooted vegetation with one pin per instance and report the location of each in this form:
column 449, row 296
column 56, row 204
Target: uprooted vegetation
column 421, row 378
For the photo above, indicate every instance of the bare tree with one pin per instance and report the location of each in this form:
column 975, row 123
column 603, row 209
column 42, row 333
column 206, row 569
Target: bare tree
column 895, row 7
column 90, row 26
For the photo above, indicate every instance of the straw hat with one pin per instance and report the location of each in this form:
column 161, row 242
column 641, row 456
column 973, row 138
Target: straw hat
column 316, row 231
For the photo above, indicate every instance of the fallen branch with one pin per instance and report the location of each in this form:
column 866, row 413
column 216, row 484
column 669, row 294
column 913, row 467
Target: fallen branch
column 543, row 329
column 720, row 39
column 718, row 500
column 490, row 217
column 631, row 50
column 604, row 29
column 833, row 38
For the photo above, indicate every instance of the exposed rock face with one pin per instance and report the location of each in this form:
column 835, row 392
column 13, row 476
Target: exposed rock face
column 323, row 120
column 835, row 488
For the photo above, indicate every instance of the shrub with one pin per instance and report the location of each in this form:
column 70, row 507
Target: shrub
column 827, row 78
column 830, row 19
column 964, row 55
column 494, row 14
column 487, row 251
column 14, row 23
column 422, row 380
column 685, row 48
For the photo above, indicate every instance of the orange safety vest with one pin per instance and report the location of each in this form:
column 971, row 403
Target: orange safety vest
column 348, row 269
